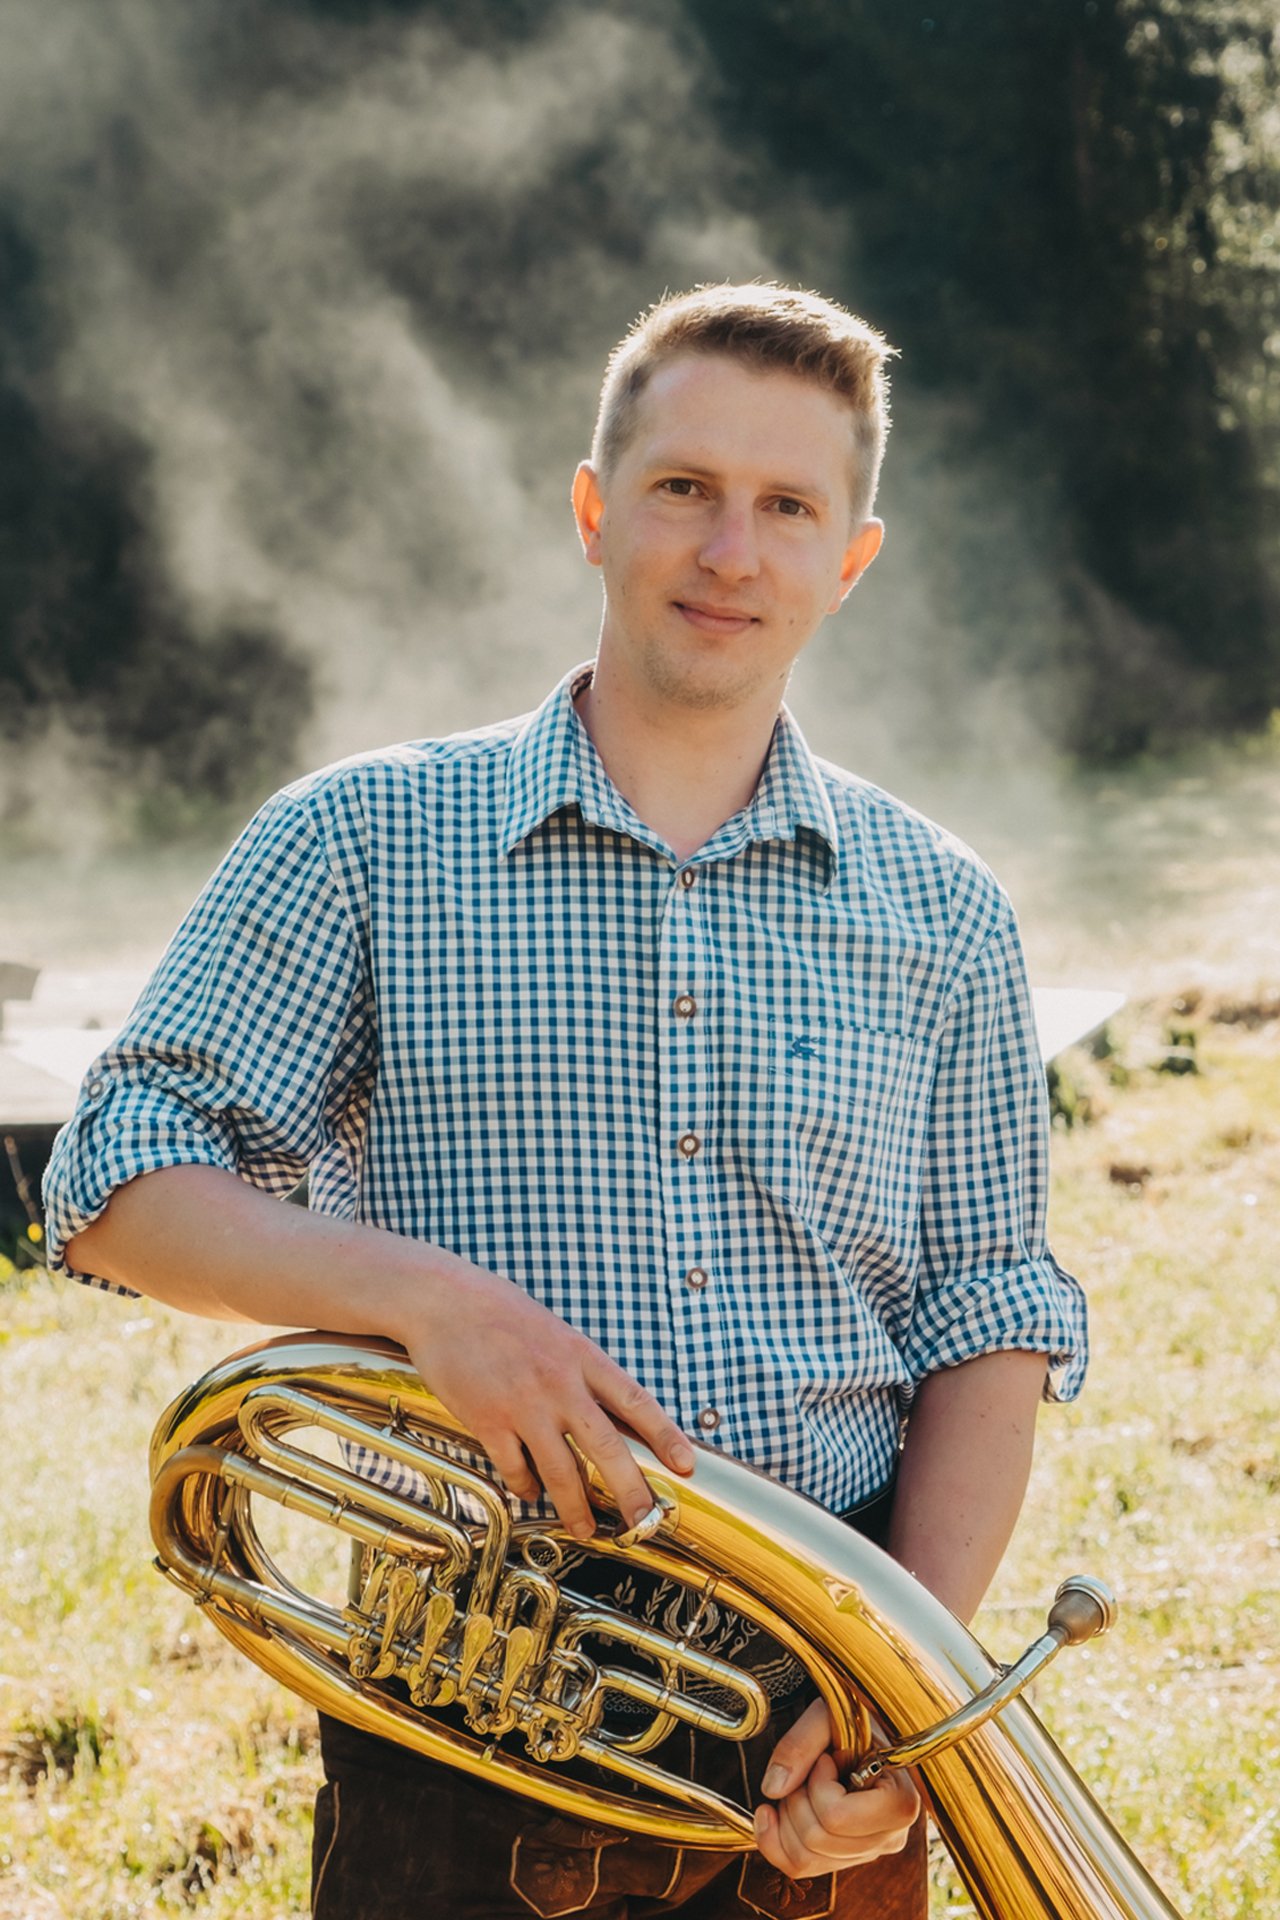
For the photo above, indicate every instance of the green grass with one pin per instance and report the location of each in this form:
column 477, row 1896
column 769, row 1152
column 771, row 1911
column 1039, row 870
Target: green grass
column 1162, row 1477
column 144, row 1768
column 147, row 1770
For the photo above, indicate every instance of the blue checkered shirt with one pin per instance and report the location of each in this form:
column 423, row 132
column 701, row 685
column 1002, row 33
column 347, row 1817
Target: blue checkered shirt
column 768, row 1123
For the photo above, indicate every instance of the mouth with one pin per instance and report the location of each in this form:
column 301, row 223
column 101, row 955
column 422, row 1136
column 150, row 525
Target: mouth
column 713, row 619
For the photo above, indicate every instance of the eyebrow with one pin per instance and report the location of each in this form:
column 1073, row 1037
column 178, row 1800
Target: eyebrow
column 800, row 491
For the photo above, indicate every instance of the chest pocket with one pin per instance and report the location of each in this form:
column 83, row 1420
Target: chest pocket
column 848, row 1119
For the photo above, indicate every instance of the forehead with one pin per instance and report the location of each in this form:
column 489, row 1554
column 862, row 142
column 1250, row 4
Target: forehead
column 712, row 411
column 743, row 413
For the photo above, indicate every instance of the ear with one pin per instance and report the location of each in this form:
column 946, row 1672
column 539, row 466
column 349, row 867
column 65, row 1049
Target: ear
column 588, row 510
column 858, row 555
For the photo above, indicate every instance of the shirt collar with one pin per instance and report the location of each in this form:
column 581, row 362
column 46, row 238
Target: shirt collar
column 554, row 765
column 792, row 790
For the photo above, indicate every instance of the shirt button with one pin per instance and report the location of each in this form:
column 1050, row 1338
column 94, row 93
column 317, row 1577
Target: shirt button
column 709, row 1419
column 687, row 878
column 94, row 1088
column 697, row 1278
column 688, row 1144
column 684, row 1006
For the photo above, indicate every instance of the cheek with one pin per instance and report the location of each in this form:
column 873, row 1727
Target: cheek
column 646, row 555
column 814, row 591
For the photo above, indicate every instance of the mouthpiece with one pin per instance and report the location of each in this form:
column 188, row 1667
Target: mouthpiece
column 1082, row 1609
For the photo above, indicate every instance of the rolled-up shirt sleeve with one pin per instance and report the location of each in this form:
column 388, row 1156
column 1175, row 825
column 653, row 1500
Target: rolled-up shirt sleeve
column 988, row 1279
column 249, row 1049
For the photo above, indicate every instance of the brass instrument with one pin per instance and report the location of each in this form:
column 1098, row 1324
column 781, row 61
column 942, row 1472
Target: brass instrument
column 456, row 1605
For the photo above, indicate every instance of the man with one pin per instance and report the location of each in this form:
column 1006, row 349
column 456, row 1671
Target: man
column 721, row 1056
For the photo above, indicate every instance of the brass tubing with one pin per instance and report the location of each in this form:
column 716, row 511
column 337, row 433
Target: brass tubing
column 424, row 1534
column 1027, row 1839
column 606, row 1623
column 1082, row 1608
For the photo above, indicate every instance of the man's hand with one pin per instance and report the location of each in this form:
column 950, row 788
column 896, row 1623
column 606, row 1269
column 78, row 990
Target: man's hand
column 522, row 1379
column 816, row 1826
column 203, row 1240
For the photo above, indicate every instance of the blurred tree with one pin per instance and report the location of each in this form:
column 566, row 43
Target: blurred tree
column 1066, row 209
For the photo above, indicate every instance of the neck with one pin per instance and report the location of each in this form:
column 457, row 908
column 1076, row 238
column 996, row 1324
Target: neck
column 684, row 770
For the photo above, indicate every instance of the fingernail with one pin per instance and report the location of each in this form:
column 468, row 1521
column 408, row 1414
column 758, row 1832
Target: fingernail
column 762, row 1821
column 682, row 1456
column 582, row 1529
column 774, row 1781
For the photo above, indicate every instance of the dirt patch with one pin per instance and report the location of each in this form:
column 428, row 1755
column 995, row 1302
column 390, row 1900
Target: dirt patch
column 1254, row 1012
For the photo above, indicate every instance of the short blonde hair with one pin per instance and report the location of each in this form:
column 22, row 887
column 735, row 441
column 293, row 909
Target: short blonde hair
column 767, row 327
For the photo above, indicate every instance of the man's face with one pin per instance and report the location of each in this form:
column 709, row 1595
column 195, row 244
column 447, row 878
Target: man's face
column 723, row 532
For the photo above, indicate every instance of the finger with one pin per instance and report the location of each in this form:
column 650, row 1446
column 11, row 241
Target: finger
column 511, row 1463
column 609, row 1453
column 819, row 1827
column 882, row 1813
column 767, row 1842
column 802, row 1857
column 636, row 1408
column 561, row 1476
column 797, row 1751
column 872, row 1821
column 805, row 1837
column 778, row 1846
column 893, row 1802
column 793, row 1853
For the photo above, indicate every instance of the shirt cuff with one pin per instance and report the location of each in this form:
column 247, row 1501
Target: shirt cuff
column 121, row 1130
column 1032, row 1308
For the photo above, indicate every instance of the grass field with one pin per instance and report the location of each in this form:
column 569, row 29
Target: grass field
column 145, row 1769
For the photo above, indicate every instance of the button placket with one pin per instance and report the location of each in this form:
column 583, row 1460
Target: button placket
column 685, row 1103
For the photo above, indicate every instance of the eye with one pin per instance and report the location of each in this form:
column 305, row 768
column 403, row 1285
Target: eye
column 680, row 485
column 792, row 509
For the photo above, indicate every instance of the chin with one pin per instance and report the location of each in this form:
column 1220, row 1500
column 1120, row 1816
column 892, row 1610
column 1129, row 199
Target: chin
column 704, row 686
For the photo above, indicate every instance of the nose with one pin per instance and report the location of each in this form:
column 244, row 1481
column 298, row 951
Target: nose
column 731, row 550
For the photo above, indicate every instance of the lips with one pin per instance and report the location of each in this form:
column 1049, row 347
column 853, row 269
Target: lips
column 713, row 619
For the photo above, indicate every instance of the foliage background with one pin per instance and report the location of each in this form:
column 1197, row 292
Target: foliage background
column 302, row 306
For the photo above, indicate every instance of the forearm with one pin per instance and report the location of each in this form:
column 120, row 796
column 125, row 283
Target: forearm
column 201, row 1239
column 963, row 1474
column 517, row 1376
